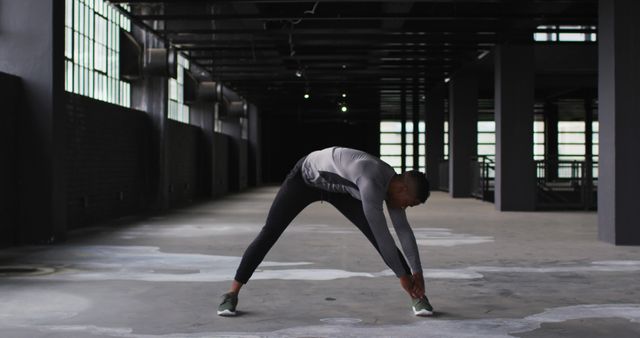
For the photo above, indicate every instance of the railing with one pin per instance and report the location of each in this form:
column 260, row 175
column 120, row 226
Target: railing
column 561, row 185
column 567, row 185
column 483, row 178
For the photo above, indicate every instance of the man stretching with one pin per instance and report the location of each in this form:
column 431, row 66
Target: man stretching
column 356, row 183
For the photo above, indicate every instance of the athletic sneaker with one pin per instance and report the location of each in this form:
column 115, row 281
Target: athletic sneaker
column 421, row 307
column 228, row 305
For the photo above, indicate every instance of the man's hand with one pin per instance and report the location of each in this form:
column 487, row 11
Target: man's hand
column 418, row 285
column 408, row 285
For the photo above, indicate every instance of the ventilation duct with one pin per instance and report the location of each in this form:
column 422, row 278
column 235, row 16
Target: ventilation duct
column 237, row 108
column 160, row 62
column 201, row 91
column 130, row 57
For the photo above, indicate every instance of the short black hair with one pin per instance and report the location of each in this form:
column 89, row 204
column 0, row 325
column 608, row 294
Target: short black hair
column 420, row 184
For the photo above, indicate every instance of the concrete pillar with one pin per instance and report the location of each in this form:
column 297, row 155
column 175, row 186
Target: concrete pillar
column 255, row 151
column 150, row 94
column 463, row 131
column 587, row 179
column 515, row 183
column 618, row 88
column 434, row 123
column 32, row 48
column 403, row 128
column 416, row 121
column 202, row 115
column 551, row 140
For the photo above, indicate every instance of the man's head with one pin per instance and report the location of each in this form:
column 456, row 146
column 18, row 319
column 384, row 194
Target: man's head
column 408, row 190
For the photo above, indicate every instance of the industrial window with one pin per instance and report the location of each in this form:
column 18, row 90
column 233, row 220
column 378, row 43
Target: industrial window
column 178, row 111
column 571, row 143
column 595, row 146
column 565, row 33
column 391, row 144
column 487, row 139
column 571, row 140
column 538, row 140
column 92, row 47
column 446, row 140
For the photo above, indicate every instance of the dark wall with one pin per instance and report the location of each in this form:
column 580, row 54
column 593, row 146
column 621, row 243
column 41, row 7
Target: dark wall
column 186, row 170
column 220, row 164
column 32, row 48
column 254, row 170
column 243, row 163
column 107, row 160
column 285, row 140
column 238, row 152
column 10, row 96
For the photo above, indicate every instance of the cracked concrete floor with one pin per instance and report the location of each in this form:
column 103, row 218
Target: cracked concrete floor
column 489, row 274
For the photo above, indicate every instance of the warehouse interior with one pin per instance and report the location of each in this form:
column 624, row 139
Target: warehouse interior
column 143, row 141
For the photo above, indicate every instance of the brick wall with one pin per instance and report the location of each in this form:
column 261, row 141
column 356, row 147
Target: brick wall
column 108, row 160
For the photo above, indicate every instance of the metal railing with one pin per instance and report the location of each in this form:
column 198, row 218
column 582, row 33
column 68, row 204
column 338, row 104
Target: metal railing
column 483, row 178
column 567, row 185
column 561, row 185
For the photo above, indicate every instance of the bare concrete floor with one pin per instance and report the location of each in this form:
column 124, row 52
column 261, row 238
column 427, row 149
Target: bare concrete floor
column 489, row 274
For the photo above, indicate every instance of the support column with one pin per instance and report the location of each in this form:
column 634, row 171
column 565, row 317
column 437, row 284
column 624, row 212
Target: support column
column 32, row 40
column 150, row 95
column 587, row 178
column 403, row 128
column 515, row 182
column 416, row 121
column 551, row 140
column 618, row 107
column 434, row 123
column 463, row 132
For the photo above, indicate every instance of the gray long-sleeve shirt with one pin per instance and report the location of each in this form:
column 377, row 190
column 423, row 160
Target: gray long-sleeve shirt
column 366, row 178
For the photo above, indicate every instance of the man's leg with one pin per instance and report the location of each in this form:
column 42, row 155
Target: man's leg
column 352, row 209
column 294, row 195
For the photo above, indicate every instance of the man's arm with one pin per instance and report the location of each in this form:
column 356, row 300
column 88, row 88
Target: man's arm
column 409, row 247
column 387, row 246
column 406, row 237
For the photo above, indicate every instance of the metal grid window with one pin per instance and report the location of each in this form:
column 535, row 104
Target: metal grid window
column 92, row 48
column 178, row 111
column 564, row 33
column 487, row 139
column 391, row 144
column 538, row 140
column 446, row 140
column 571, row 143
column 571, row 140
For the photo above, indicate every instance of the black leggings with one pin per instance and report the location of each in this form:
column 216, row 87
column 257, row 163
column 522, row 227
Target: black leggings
column 295, row 195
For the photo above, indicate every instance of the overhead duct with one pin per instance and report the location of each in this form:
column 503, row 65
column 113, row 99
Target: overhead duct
column 209, row 91
column 237, row 108
column 160, row 62
column 136, row 62
column 130, row 57
column 233, row 105
column 201, row 91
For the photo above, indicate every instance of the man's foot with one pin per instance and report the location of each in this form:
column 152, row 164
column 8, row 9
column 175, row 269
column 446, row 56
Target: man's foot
column 421, row 307
column 228, row 306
